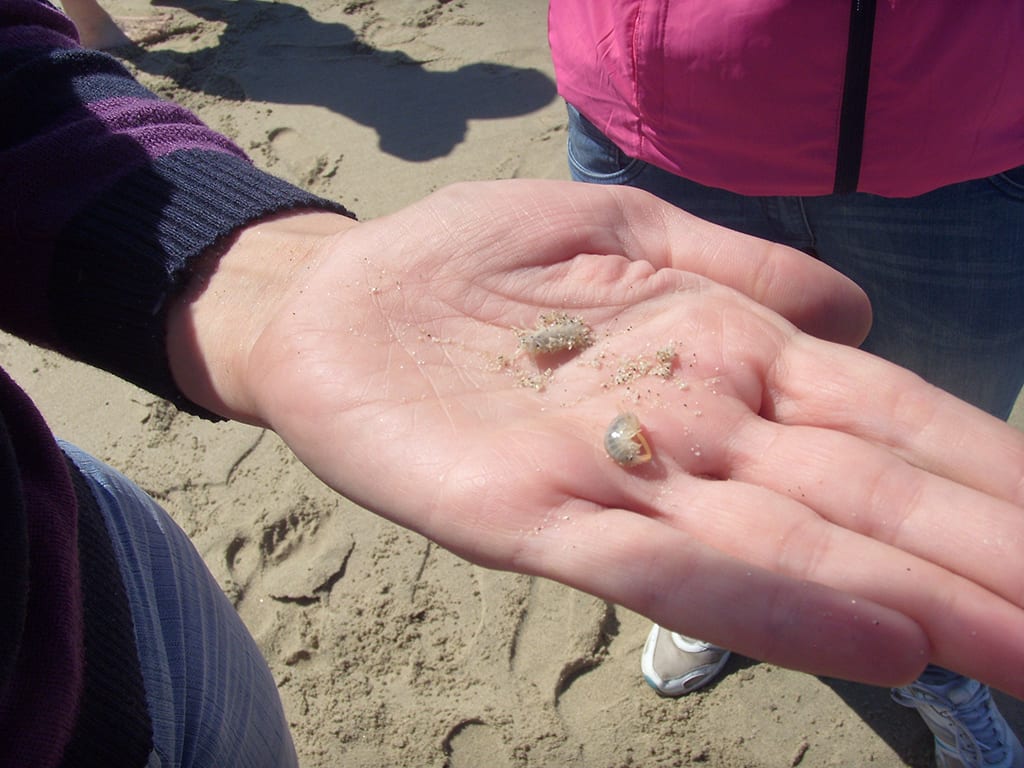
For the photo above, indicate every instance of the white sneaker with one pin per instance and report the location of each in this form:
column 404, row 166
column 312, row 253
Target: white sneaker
column 969, row 730
column 674, row 665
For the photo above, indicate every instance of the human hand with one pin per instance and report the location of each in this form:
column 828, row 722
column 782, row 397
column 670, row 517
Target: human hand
column 806, row 504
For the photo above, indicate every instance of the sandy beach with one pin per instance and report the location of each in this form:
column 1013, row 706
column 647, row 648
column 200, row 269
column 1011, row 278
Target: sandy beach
column 388, row 650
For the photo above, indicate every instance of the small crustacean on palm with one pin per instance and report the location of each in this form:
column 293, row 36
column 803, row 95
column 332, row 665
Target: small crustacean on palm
column 555, row 332
column 625, row 442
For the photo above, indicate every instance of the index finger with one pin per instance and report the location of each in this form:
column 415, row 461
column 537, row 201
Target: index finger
column 807, row 292
column 553, row 220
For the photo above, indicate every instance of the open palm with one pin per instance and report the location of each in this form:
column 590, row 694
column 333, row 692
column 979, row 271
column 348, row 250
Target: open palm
column 805, row 504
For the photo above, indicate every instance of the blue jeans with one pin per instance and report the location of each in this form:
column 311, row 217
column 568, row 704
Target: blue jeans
column 944, row 270
column 211, row 697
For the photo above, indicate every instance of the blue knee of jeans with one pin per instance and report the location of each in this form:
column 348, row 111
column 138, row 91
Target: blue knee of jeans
column 211, row 696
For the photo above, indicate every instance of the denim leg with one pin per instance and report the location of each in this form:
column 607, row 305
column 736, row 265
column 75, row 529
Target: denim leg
column 211, row 696
column 945, row 274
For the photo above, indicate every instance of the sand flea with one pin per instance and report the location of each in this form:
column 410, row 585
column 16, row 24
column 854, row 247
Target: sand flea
column 555, row 332
column 625, row 442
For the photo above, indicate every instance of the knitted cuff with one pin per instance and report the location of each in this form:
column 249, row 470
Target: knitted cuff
column 119, row 261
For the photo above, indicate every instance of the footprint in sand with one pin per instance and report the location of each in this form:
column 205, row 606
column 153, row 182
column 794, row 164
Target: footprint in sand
column 473, row 743
column 296, row 558
column 556, row 617
column 305, row 168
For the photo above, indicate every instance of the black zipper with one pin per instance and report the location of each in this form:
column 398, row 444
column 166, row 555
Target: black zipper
column 855, row 96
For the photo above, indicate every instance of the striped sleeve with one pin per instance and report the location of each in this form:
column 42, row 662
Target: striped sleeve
column 107, row 195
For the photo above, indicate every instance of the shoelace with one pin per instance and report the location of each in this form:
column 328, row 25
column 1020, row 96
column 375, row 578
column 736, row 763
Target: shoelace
column 971, row 722
column 976, row 717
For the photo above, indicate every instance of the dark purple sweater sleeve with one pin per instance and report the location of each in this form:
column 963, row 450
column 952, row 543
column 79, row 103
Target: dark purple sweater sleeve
column 107, row 194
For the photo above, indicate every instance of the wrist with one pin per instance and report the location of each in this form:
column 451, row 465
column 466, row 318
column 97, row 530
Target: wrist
column 236, row 289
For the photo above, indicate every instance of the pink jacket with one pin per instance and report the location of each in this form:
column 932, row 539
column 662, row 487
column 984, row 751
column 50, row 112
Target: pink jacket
column 801, row 97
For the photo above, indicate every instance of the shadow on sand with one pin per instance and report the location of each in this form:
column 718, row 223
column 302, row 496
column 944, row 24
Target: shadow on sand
column 288, row 57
